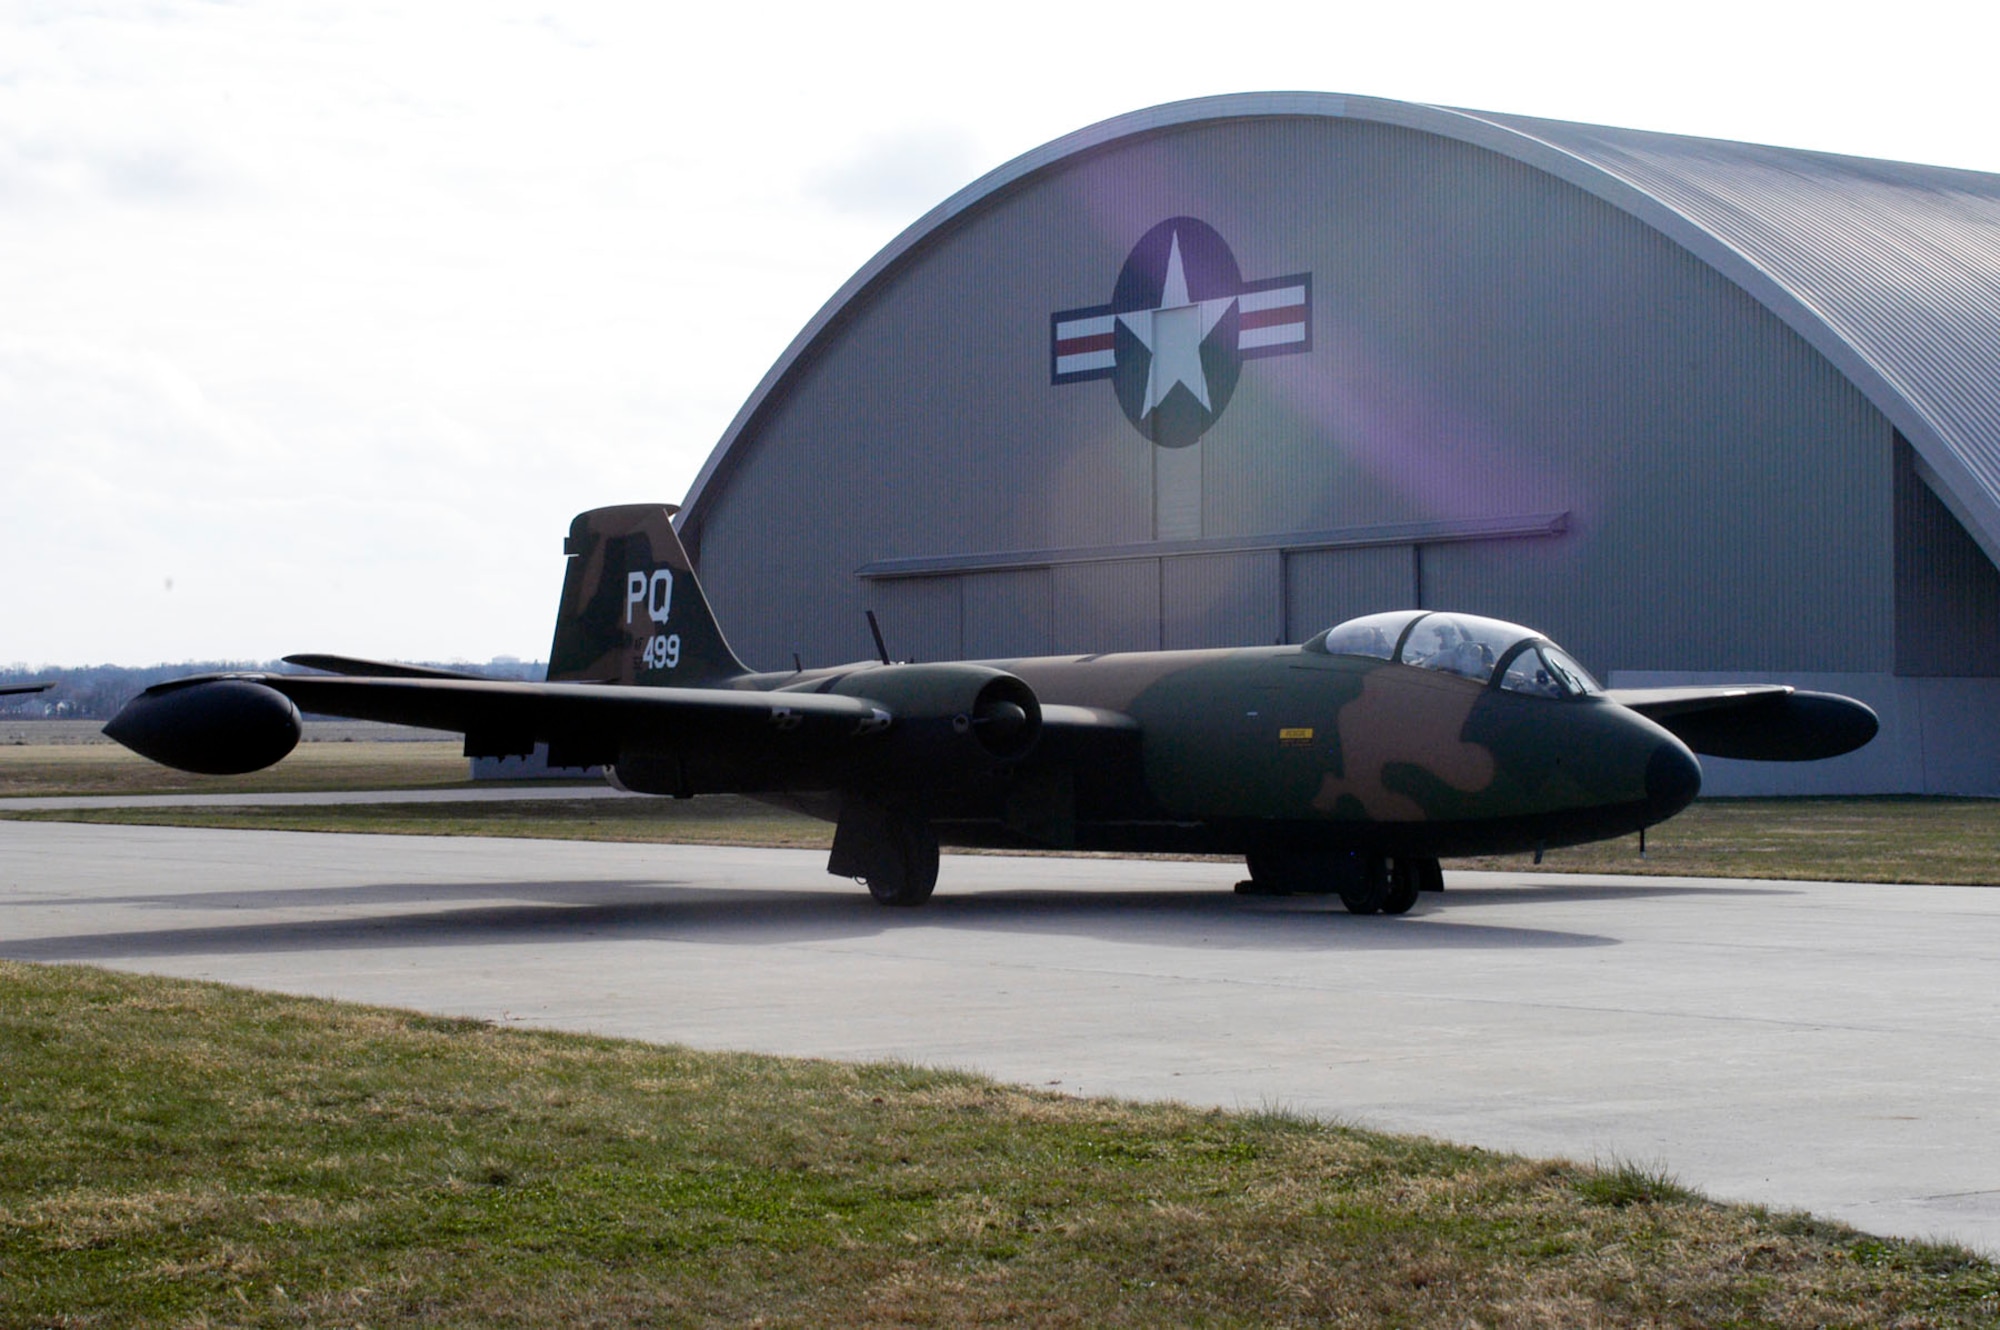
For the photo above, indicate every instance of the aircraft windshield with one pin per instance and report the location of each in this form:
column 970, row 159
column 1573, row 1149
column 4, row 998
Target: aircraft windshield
column 1463, row 644
column 1373, row 635
column 1545, row 670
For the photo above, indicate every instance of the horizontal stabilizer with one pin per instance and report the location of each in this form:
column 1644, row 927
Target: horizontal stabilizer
column 1756, row 722
column 373, row 669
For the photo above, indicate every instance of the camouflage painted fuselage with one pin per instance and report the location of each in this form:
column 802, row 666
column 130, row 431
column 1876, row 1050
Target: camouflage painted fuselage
column 1229, row 751
column 1288, row 748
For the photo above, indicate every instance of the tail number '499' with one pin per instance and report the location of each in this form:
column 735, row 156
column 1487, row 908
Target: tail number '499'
column 655, row 591
column 663, row 653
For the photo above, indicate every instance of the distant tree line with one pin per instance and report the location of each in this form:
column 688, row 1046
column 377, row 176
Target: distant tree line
column 96, row 692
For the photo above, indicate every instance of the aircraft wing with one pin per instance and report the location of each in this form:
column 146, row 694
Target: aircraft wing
column 9, row 689
column 1760, row 722
column 225, row 723
column 374, row 669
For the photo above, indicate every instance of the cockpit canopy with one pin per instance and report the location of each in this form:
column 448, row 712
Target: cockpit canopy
column 1522, row 660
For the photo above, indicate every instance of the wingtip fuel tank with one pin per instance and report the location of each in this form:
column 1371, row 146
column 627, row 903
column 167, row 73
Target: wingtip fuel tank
column 213, row 727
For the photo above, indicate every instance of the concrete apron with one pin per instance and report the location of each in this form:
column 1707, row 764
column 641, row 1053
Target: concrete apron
column 1825, row 1046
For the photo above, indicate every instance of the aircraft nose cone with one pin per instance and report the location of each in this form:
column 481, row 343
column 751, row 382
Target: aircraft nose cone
column 1673, row 779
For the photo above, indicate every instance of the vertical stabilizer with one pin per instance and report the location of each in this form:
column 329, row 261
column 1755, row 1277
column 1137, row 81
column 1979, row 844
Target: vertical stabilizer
column 632, row 611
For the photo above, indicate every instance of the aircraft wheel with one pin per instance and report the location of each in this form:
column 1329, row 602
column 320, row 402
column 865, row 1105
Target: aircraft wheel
column 905, row 870
column 1370, row 894
column 1406, row 879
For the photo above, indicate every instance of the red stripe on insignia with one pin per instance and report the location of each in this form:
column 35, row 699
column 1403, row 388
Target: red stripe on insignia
column 1271, row 318
column 1076, row 346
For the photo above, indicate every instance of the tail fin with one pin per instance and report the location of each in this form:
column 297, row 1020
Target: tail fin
column 632, row 611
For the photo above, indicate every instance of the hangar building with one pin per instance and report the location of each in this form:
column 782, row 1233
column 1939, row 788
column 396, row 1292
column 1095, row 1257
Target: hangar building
column 1230, row 371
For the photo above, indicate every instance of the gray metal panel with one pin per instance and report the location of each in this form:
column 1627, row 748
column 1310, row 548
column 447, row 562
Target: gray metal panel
column 1099, row 607
column 920, row 618
column 1006, row 614
column 1221, row 600
column 1326, row 587
column 1947, row 593
column 1891, row 268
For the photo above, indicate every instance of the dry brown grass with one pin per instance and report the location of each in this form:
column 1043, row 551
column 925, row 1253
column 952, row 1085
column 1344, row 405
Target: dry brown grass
column 102, row 768
column 711, row 820
column 1848, row 840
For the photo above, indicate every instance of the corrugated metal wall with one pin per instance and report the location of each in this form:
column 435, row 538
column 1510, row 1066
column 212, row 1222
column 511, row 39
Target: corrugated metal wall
column 1007, row 614
column 1326, row 587
column 1113, row 606
column 1947, row 593
column 1221, row 600
column 1488, row 341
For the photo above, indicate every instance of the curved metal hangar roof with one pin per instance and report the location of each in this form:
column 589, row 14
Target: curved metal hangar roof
column 1890, row 270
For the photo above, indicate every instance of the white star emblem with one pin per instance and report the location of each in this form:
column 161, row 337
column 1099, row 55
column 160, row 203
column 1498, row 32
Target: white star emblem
column 1174, row 333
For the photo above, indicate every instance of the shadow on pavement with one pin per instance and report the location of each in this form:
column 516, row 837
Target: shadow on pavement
column 1585, row 889
column 617, row 910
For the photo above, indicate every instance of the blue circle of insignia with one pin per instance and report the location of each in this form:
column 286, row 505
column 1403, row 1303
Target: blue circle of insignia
column 1176, row 331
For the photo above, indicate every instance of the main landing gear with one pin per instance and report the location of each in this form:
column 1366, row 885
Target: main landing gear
column 891, row 850
column 1365, row 883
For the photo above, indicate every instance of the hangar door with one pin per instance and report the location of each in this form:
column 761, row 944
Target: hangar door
column 1174, row 602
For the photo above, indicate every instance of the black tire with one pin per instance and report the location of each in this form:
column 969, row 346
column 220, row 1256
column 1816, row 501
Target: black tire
column 1369, row 895
column 906, row 870
column 1406, row 880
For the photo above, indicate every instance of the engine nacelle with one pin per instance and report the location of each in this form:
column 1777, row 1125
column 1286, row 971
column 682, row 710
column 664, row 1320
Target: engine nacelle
column 214, row 727
column 955, row 714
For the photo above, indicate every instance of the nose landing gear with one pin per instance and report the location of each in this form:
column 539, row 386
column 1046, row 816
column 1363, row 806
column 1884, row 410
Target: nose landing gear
column 1389, row 886
column 1365, row 883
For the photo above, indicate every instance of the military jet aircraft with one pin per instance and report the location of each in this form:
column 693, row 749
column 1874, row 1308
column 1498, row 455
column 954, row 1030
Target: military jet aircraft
column 1346, row 765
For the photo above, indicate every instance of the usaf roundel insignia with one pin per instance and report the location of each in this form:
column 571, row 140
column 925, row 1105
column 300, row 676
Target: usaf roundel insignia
column 1180, row 324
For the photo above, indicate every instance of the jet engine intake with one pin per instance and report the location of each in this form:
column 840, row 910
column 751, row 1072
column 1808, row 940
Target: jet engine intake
column 969, row 711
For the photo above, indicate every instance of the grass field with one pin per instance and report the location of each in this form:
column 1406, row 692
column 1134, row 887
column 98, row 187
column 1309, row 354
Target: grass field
column 1844, row 840
column 174, row 1153
column 710, row 820
column 105, row 768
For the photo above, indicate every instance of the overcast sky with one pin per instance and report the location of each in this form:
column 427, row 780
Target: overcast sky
column 318, row 321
